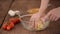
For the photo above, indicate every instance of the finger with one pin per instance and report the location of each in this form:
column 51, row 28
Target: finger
column 51, row 17
column 31, row 22
column 34, row 24
column 31, row 19
column 56, row 19
column 48, row 15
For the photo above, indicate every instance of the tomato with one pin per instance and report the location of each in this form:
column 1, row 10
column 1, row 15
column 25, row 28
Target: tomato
column 10, row 26
column 4, row 26
column 15, row 20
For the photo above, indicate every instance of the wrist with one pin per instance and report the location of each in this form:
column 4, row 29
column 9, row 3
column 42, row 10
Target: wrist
column 41, row 12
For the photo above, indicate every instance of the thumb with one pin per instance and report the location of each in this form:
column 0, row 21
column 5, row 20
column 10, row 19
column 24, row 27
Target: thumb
column 46, row 17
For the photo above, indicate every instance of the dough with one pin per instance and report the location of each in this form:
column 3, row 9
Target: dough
column 32, row 11
column 39, row 25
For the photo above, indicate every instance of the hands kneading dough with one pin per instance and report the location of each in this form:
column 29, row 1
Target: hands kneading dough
column 39, row 25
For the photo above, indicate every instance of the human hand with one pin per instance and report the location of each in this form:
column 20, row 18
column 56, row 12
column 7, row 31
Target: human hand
column 54, row 14
column 35, row 18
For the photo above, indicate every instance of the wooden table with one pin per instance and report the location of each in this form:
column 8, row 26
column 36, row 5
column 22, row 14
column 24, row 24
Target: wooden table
column 5, row 5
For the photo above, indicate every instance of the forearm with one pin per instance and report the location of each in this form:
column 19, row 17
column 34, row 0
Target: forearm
column 44, row 5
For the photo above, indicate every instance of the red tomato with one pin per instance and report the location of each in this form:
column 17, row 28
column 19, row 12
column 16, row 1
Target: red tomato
column 15, row 20
column 4, row 26
column 10, row 26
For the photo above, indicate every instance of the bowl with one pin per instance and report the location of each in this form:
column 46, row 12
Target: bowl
column 40, row 25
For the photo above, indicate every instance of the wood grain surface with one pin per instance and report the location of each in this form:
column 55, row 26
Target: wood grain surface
column 24, row 5
column 4, row 7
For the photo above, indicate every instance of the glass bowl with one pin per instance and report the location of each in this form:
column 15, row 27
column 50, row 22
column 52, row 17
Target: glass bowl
column 40, row 25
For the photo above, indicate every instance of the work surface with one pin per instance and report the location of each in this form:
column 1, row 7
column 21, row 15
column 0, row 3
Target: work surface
column 6, row 5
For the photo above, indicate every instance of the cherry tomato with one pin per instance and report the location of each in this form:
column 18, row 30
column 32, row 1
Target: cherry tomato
column 10, row 26
column 4, row 26
column 15, row 20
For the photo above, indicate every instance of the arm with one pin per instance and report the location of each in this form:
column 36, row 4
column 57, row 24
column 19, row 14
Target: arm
column 44, row 5
column 36, row 17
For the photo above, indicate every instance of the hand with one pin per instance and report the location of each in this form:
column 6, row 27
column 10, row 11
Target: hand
column 54, row 14
column 35, row 18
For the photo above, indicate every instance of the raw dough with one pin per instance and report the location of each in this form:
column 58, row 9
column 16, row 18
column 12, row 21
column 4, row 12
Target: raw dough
column 32, row 11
